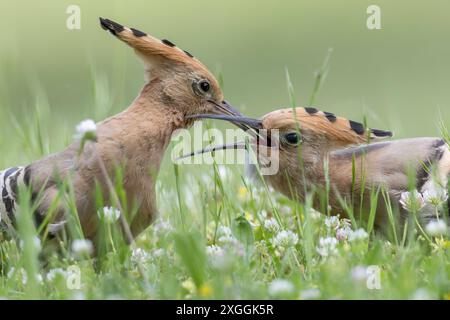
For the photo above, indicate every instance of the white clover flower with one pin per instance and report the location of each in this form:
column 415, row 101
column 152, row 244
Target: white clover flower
column 412, row 201
column 232, row 244
column 214, row 251
column 356, row 235
column 224, row 231
column 52, row 274
column 271, row 225
column 310, row 294
column 139, row 255
column 82, row 247
column 436, row 228
column 22, row 275
column 109, row 214
column 262, row 215
column 435, row 196
column 158, row 253
column 219, row 258
column 358, row 273
column 227, row 240
column 281, row 288
column 422, row 294
column 78, row 295
column 332, row 222
column 314, row 214
column 86, row 129
column 285, row 239
column 327, row 246
column 342, row 234
column 162, row 228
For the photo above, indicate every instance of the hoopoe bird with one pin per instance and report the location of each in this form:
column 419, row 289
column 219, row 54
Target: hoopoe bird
column 176, row 85
column 316, row 148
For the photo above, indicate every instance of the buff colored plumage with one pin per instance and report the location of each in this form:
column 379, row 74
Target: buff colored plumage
column 177, row 85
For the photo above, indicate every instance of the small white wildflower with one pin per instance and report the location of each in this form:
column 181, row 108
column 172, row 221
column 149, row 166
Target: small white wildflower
column 310, row 294
column 327, row 246
column 314, row 214
column 162, row 228
column 139, row 255
column 412, row 201
column 271, row 225
column 422, row 294
column 22, row 275
column 358, row 273
column 158, row 253
column 78, row 295
column 224, row 231
column 54, row 273
column 227, row 239
column 219, row 258
column 356, row 235
column 82, row 247
column 436, row 228
column 435, row 196
column 332, row 222
column 281, row 288
column 232, row 244
column 214, row 251
column 109, row 214
column 343, row 233
column 262, row 215
column 285, row 239
column 86, row 129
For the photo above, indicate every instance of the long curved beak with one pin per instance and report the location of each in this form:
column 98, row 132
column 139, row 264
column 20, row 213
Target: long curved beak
column 233, row 146
column 249, row 125
column 225, row 108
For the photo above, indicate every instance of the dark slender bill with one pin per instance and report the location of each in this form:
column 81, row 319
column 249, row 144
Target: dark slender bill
column 249, row 125
column 252, row 123
column 235, row 146
column 226, row 108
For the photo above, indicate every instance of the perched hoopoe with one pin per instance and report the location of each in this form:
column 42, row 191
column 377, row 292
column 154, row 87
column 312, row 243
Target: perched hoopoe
column 177, row 85
column 313, row 142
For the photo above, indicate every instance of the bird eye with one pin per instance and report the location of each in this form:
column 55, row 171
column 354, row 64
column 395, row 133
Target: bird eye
column 292, row 138
column 204, row 86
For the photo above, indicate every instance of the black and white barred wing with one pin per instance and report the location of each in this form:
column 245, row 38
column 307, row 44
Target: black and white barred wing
column 10, row 179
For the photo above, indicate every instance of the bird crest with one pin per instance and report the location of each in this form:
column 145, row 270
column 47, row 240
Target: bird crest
column 339, row 130
column 152, row 51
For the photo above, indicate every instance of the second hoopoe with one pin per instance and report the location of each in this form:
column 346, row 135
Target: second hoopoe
column 177, row 85
column 317, row 150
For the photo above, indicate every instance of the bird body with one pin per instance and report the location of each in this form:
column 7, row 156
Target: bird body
column 177, row 85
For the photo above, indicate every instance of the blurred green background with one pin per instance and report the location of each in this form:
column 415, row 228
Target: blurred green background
column 397, row 77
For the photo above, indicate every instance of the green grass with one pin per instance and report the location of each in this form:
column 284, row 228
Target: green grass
column 212, row 239
column 220, row 236
column 206, row 256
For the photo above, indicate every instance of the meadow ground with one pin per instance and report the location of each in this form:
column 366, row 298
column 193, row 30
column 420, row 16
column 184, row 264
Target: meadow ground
column 219, row 234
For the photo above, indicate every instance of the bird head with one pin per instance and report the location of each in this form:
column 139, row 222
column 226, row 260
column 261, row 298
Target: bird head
column 298, row 137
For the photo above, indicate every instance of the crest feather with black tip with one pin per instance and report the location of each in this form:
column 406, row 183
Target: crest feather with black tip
column 152, row 50
column 338, row 130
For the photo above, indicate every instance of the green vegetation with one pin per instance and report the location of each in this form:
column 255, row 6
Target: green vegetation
column 220, row 235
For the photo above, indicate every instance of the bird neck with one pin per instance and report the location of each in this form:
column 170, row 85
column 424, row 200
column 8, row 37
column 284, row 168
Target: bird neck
column 143, row 131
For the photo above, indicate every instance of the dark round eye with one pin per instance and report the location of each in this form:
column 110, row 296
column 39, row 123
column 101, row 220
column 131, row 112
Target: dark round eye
column 204, row 86
column 292, row 138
